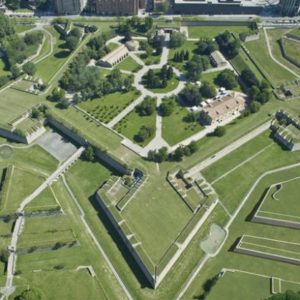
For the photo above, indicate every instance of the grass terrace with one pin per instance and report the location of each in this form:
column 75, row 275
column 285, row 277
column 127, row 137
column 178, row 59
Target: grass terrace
column 109, row 106
column 259, row 51
column 183, row 129
column 150, row 60
column 14, row 103
column 210, row 32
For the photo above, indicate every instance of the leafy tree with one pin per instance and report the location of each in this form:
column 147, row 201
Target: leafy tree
column 220, row 131
column 72, row 42
column 57, row 94
column 75, row 32
column 167, row 107
column 15, row 72
column 147, row 107
column 249, row 78
column 177, row 39
column 228, row 45
column 204, row 118
column 227, row 79
column 206, row 47
column 178, row 153
column 89, row 154
column 170, row 73
column 191, row 95
column 144, row 133
column 208, row 90
column 194, row 68
column 33, row 38
column 3, row 80
column 13, row 4
column 254, row 106
column 193, row 147
column 29, row 68
column 63, row 103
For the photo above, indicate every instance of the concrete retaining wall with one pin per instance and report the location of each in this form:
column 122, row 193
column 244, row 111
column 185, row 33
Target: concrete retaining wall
column 149, row 276
column 12, row 136
column 274, row 222
column 216, row 23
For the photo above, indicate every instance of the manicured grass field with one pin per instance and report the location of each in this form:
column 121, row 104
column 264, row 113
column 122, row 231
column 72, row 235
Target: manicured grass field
column 282, row 202
column 45, row 201
column 47, row 68
column 109, row 106
column 129, row 64
column 151, row 60
column 21, row 185
column 246, row 286
column 19, row 28
column 156, row 216
column 274, row 36
column 183, row 128
column 14, row 103
column 293, row 49
column 131, row 124
column 258, row 49
column 209, row 32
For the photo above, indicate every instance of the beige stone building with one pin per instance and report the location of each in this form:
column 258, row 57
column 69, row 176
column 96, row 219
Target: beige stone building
column 69, row 7
column 118, row 7
column 114, row 57
column 226, row 107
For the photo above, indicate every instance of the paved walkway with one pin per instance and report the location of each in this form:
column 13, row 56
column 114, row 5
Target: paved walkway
column 230, row 148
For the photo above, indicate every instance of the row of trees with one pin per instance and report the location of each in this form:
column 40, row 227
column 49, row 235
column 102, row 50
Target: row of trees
column 228, row 45
column 181, row 56
column 73, row 39
column 162, row 154
column 196, row 66
column 206, row 47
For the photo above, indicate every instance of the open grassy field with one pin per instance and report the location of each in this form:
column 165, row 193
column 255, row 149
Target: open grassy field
column 280, row 201
column 209, row 32
column 156, row 216
column 246, row 286
column 274, row 36
column 131, row 124
column 241, row 226
column 258, row 49
column 109, row 106
column 14, row 103
column 150, row 60
column 183, row 128
column 47, row 68
column 293, row 49
column 129, row 64
column 255, row 165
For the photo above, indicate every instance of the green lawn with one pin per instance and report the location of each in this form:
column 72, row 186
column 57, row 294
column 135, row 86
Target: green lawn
column 183, row 129
column 156, row 216
column 255, row 167
column 14, row 103
column 274, row 36
column 209, row 32
column 47, row 68
column 293, row 49
column 258, row 49
column 109, row 106
column 19, row 28
column 246, row 286
column 129, row 64
column 151, row 60
column 283, row 203
column 131, row 124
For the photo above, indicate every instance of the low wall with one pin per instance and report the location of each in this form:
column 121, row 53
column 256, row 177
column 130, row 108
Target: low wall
column 268, row 256
column 291, row 59
column 293, row 36
column 150, row 277
column 274, row 222
column 106, row 158
column 12, row 136
column 216, row 23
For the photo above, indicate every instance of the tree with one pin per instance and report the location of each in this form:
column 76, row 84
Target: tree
column 227, row 79
column 13, row 4
column 144, row 133
column 249, row 78
column 254, row 106
column 72, row 42
column 208, row 90
column 167, row 107
column 170, row 73
column 178, row 153
column 148, row 23
column 193, row 147
column 161, row 155
column 33, row 38
column 220, row 131
column 57, row 94
column 228, row 45
column 29, row 68
column 191, row 95
column 15, row 72
column 177, row 39
column 75, row 32
column 206, row 47
column 147, row 107
column 89, row 154
column 194, row 68
column 204, row 118
column 30, row 294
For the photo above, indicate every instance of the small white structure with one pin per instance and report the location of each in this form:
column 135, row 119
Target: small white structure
column 132, row 45
column 114, row 57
